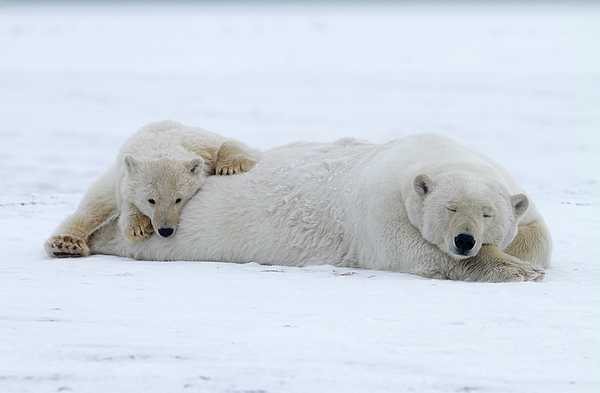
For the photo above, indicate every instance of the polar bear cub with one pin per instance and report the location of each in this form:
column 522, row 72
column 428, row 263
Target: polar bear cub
column 157, row 171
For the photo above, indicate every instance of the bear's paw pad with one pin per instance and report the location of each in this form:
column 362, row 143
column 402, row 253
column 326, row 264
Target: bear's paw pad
column 66, row 246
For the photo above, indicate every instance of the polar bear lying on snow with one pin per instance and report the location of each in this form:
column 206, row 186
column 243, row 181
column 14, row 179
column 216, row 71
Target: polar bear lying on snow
column 157, row 171
column 422, row 204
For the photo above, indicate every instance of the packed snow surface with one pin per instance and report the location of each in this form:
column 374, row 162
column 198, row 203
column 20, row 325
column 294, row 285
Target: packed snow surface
column 517, row 81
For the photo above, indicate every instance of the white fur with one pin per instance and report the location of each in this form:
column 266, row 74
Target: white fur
column 353, row 203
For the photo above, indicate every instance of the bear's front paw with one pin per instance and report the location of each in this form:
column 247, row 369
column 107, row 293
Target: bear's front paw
column 517, row 273
column 66, row 246
column 534, row 274
column 493, row 265
column 138, row 227
column 236, row 165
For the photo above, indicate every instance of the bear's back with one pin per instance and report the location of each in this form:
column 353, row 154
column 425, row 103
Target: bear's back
column 170, row 139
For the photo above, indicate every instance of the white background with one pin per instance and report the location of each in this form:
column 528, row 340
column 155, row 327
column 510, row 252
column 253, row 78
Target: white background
column 517, row 81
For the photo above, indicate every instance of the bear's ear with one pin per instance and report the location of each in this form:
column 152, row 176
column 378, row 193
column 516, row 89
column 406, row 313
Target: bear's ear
column 520, row 204
column 196, row 165
column 130, row 163
column 423, row 185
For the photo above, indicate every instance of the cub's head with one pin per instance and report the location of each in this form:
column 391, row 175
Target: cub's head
column 460, row 216
column 160, row 188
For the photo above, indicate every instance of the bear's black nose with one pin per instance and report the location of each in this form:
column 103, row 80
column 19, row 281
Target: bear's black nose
column 464, row 243
column 165, row 232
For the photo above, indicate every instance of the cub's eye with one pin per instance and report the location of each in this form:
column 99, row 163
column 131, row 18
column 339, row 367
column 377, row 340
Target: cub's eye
column 452, row 209
column 151, row 201
column 486, row 215
column 178, row 200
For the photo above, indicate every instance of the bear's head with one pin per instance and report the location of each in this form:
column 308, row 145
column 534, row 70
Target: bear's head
column 459, row 215
column 160, row 188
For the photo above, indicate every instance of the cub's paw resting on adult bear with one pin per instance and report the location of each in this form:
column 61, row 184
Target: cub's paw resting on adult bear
column 233, row 158
column 136, row 227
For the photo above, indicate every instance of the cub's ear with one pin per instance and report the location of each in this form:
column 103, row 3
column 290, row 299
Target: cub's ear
column 130, row 163
column 196, row 165
column 520, row 204
column 423, row 185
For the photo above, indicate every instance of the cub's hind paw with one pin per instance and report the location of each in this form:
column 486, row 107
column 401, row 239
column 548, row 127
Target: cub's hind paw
column 138, row 227
column 234, row 158
column 235, row 165
column 66, row 246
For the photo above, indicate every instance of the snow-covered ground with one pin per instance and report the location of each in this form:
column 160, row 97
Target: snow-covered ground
column 517, row 81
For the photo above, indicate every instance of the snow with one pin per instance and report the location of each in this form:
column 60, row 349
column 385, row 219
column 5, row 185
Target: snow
column 517, row 81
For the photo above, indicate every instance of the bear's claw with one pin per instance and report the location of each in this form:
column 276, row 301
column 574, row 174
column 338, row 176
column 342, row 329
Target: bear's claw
column 535, row 275
column 233, row 166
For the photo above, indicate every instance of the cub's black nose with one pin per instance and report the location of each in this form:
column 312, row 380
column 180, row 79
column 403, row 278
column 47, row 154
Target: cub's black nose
column 464, row 243
column 165, row 232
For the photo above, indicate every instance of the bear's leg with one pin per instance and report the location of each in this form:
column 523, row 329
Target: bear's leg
column 493, row 265
column 98, row 205
column 533, row 244
column 233, row 157
column 135, row 225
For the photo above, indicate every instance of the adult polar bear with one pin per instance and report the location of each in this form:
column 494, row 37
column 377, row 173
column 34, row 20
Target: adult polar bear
column 422, row 204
